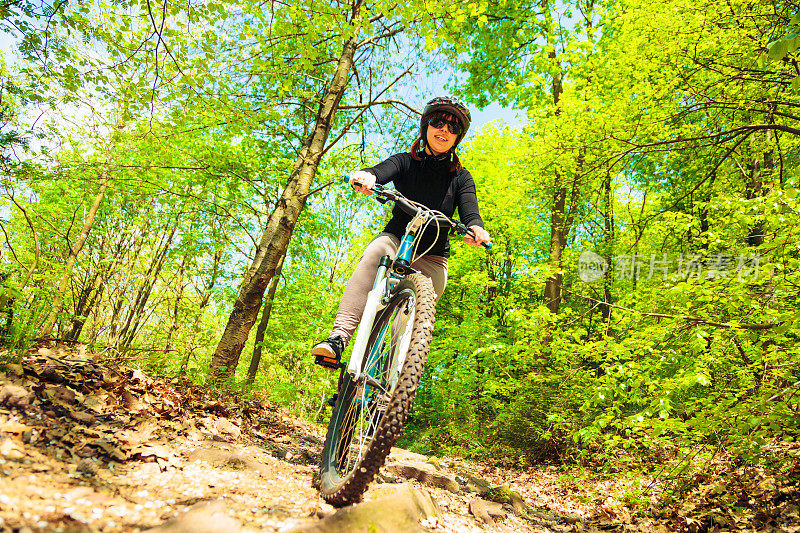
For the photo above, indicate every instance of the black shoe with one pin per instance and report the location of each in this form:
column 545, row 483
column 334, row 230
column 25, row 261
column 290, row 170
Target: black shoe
column 328, row 353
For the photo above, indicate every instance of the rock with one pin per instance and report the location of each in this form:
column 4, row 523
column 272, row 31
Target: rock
column 518, row 503
column 155, row 453
column 147, row 469
column 425, row 473
column 421, row 498
column 226, row 427
column 404, row 456
column 571, row 518
column 477, row 485
column 485, row 511
column 229, row 456
column 386, row 477
column 14, row 396
column 503, row 494
column 435, row 462
column 323, row 509
column 13, row 369
column 202, row 518
column 87, row 466
column 499, row 494
column 60, row 393
column 394, row 509
column 10, row 450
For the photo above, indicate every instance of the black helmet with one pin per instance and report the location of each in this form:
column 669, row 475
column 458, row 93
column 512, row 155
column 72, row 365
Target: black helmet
column 448, row 104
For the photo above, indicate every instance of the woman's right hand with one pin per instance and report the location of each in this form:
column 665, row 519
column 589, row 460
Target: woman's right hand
column 362, row 181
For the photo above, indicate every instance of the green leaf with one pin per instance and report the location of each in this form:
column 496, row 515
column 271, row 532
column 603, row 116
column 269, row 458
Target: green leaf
column 777, row 49
column 792, row 43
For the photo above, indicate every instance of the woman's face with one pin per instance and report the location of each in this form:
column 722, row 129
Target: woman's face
column 440, row 140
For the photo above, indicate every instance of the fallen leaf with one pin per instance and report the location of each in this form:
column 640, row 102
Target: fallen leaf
column 84, row 418
column 14, row 428
column 132, row 403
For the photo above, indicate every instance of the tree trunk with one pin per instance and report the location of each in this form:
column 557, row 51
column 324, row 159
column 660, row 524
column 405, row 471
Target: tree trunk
column 760, row 185
column 173, row 327
column 86, row 302
column 90, row 293
column 58, row 302
column 608, row 230
column 705, row 201
column 561, row 219
column 552, row 286
column 133, row 321
column 283, row 218
column 255, row 361
column 558, row 228
column 206, row 296
column 113, row 336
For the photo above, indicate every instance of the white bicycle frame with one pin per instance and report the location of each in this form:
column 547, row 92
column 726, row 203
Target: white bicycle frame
column 355, row 367
column 378, row 295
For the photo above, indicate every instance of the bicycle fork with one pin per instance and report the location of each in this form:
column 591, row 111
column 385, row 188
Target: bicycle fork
column 379, row 290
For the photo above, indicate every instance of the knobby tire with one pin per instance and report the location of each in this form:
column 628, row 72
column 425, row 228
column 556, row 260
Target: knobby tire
column 342, row 481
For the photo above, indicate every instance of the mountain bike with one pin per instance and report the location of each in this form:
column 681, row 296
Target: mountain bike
column 380, row 380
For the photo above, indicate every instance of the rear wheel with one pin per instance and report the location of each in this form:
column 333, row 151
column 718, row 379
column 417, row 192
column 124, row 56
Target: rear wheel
column 369, row 414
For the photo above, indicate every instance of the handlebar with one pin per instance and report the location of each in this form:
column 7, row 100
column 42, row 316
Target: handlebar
column 385, row 194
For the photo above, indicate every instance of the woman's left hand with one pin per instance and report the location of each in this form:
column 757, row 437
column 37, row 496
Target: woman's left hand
column 481, row 236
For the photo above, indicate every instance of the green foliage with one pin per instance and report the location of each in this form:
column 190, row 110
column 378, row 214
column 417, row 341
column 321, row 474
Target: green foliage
column 699, row 354
column 671, row 128
column 785, row 47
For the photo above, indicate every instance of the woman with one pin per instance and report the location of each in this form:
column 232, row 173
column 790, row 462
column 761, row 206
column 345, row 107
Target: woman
column 432, row 175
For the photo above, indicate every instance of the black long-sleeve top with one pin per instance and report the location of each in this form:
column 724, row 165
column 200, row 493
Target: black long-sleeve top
column 431, row 183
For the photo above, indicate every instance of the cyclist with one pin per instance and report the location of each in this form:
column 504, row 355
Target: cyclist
column 431, row 174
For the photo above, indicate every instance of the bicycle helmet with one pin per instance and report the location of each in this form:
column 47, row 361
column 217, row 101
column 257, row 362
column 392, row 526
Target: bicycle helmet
column 447, row 104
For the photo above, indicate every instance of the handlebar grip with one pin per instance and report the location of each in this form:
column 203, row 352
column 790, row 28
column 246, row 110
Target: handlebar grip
column 487, row 245
column 346, row 178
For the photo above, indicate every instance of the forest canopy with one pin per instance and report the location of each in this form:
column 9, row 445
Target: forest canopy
column 170, row 199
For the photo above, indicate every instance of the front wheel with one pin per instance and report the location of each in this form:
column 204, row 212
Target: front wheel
column 369, row 414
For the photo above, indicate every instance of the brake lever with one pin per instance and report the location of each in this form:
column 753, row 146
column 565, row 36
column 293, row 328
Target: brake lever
column 466, row 231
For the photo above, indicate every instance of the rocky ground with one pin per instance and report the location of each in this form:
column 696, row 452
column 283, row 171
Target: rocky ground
column 88, row 447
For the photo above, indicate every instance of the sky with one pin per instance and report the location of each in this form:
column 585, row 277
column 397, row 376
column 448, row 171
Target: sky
column 428, row 86
column 511, row 117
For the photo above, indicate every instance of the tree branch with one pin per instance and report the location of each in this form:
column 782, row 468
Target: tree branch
column 367, row 106
column 381, row 102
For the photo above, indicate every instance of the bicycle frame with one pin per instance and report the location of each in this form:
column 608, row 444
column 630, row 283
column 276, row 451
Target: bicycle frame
column 383, row 285
column 381, row 290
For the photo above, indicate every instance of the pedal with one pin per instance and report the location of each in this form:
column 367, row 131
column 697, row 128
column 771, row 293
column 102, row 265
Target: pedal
column 328, row 362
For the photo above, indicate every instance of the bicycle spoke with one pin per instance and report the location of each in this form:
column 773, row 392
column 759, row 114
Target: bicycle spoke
column 375, row 383
column 356, row 426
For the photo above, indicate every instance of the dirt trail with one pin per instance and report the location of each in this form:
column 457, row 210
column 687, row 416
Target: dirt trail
column 87, row 447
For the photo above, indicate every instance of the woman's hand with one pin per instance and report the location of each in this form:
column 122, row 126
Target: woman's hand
column 362, row 181
column 481, row 236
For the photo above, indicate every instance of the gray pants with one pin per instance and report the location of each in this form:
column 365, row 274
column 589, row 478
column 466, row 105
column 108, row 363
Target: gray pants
column 354, row 298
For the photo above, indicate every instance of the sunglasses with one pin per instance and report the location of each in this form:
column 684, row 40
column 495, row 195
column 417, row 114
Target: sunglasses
column 453, row 126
